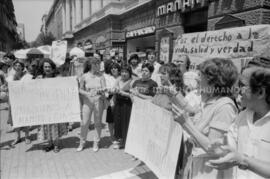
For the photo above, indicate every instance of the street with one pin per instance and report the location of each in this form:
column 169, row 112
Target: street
column 30, row 161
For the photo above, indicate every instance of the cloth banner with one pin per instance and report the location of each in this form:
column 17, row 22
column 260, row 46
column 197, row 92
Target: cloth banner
column 238, row 44
column 44, row 101
column 59, row 51
column 154, row 137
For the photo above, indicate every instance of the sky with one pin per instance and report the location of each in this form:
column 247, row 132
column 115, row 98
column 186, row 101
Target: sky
column 30, row 12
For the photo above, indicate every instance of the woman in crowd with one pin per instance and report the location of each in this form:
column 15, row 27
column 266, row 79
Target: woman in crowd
column 92, row 84
column 171, row 79
column 50, row 132
column 112, row 72
column 248, row 140
column 3, row 89
column 18, row 67
column 145, row 87
column 218, row 76
column 135, row 64
column 3, row 83
column 151, row 58
column 123, row 105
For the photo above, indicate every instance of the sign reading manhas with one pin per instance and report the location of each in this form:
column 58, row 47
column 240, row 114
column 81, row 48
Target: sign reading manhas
column 140, row 32
column 179, row 5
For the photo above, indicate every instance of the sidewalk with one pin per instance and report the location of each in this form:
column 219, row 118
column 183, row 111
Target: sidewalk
column 30, row 162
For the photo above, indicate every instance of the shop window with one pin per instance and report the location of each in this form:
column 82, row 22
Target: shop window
column 229, row 21
column 195, row 21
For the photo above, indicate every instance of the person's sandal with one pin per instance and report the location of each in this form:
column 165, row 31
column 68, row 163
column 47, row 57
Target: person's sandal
column 81, row 147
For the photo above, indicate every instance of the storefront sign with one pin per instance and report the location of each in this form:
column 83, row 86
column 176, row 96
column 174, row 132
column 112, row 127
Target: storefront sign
column 177, row 5
column 140, row 32
column 164, row 49
column 234, row 43
column 100, row 42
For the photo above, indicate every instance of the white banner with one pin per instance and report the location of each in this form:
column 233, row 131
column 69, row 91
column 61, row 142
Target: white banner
column 59, row 51
column 233, row 43
column 154, row 137
column 44, row 101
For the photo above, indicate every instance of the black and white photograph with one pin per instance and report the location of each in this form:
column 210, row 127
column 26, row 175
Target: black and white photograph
column 134, row 89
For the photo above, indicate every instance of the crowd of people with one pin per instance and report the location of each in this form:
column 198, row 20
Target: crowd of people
column 225, row 115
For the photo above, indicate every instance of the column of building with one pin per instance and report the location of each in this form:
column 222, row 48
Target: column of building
column 73, row 14
column 78, row 9
column 68, row 24
column 64, row 16
column 86, row 9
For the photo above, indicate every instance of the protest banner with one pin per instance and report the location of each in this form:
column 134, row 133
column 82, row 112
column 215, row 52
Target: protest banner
column 44, row 101
column 59, row 51
column 154, row 137
column 164, row 49
column 238, row 44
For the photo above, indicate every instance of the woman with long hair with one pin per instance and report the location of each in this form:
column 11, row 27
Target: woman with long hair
column 92, row 85
column 50, row 132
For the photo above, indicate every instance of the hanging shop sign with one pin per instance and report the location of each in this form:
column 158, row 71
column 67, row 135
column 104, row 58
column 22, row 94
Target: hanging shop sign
column 140, row 32
column 179, row 5
column 164, row 49
column 100, row 42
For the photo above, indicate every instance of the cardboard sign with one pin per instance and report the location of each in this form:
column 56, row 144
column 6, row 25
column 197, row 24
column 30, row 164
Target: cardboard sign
column 59, row 51
column 164, row 49
column 233, row 43
column 44, row 101
column 154, row 137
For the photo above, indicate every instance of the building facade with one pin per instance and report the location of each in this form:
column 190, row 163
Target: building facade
column 128, row 26
column 21, row 31
column 8, row 24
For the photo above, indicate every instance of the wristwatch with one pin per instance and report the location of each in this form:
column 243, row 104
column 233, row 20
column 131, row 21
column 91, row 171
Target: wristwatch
column 243, row 165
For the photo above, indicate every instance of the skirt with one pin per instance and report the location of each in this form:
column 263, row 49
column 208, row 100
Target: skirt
column 52, row 131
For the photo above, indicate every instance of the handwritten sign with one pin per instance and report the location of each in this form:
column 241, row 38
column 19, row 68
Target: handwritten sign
column 234, row 43
column 59, row 51
column 164, row 49
column 154, row 137
column 44, row 101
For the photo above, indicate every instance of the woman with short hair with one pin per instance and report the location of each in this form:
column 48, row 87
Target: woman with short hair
column 18, row 67
column 248, row 140
column 145, row 87
column 122, row 108
column 217, row 78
